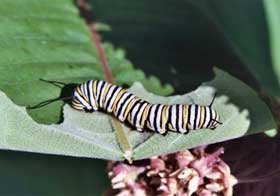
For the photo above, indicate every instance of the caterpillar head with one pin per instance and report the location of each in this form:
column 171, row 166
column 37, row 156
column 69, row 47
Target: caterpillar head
column 70, row 94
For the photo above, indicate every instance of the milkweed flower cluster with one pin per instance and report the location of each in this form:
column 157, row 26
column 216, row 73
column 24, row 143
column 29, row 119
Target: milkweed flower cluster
column 185, row 173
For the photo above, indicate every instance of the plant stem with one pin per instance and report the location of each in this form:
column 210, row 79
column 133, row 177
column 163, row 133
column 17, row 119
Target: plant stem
column 101, row 53
column 121, row 136
column 123, row 140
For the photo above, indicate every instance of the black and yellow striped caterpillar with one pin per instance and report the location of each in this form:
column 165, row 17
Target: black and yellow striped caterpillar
column 97, row 95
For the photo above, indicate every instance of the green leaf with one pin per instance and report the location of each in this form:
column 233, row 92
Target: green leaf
column 272, row 8
column 92, row 135
column 49, row 40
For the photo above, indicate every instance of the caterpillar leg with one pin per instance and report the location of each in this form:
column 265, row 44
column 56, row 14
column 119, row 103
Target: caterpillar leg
column 162, row 132
column 139, row 129
column 187, row 132
column 183, row 131
column 88, row 110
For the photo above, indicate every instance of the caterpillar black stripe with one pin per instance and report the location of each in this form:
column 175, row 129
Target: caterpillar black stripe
column 95, row 95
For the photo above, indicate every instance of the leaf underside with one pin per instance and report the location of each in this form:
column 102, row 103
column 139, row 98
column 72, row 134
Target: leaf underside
column 92, row 135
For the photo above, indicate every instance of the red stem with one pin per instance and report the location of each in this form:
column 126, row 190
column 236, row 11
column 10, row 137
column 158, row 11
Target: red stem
column 101, row 53
column 84, row 10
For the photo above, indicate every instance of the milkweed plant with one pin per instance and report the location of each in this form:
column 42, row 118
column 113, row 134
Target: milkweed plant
column 196, row 112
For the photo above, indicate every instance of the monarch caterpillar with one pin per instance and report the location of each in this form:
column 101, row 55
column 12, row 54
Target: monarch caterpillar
column 95, row 95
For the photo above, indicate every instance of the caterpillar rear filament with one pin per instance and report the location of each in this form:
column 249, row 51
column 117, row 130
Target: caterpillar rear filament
column 97, row 95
